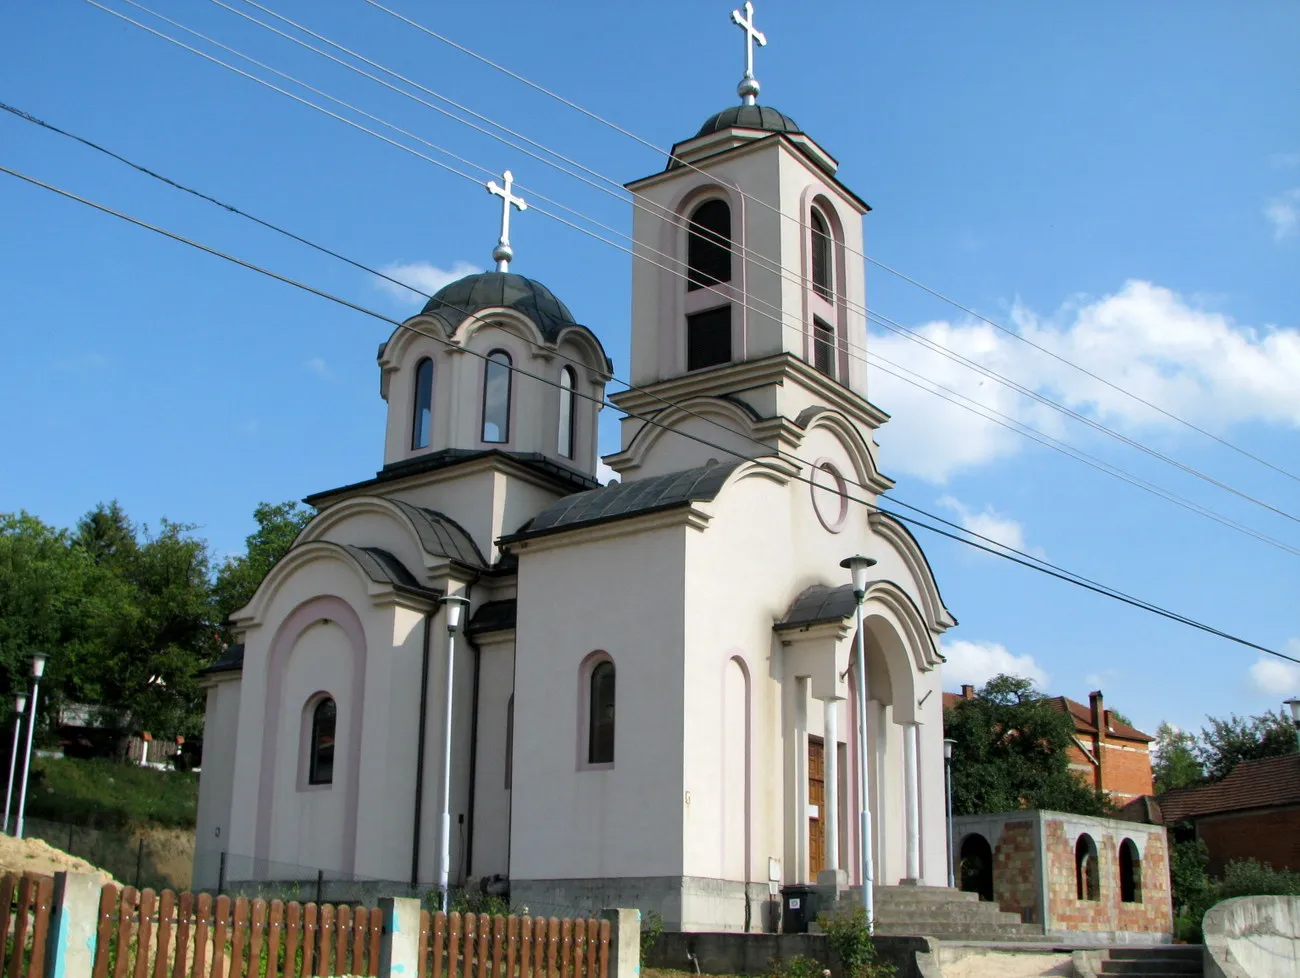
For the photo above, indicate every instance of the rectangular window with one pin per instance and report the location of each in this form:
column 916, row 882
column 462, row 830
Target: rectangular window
column 708, row 338
column 823, row 348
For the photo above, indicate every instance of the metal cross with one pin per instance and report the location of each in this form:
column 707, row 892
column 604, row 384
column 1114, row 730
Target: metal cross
column 748, row 88
column 503, row 253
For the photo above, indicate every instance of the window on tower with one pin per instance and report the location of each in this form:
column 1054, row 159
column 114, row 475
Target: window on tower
column 320, row 763
column 708, row 246
column 708, row 338
column 821, row 257
column 496, row 397
column 568, row 380
column 423, row 413
column 824, row 348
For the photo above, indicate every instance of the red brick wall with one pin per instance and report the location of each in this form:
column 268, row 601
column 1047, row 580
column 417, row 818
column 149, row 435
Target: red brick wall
column 1066, row 912
column 1014, row 859
column 1126, row 769
column 1271, row 836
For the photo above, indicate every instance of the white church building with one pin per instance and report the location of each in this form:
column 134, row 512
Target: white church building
column 653, row 690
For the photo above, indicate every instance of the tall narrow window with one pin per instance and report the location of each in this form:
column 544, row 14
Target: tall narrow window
column 422, row 416
column 1130, row 872
column 320, row 766
column 708, row 338
column 823, row 348
column 496, row 397
column 821, row 257
column 600, row 719
column 568, row 380
column 1086, row 878
column 708, row 245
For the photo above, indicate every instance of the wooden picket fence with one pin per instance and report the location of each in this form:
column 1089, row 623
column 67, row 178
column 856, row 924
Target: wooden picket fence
column 143, row 934
column 24, row 923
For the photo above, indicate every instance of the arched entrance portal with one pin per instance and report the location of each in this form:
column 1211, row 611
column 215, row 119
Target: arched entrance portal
column 977, row 866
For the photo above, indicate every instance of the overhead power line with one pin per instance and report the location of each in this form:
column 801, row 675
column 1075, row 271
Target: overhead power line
column 879, row 264
column 990, row 546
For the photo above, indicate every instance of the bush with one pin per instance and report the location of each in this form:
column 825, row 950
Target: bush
column 100, row 793
column 798, row 967
column 1245, row 877
column 652, row 928
column 849, row 936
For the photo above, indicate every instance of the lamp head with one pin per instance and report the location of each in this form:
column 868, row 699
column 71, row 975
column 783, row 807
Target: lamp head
column 857, row 567
column 38, row 665
column 20, row 702
column 454, row 604
column 948, row 745
column 1294, row 704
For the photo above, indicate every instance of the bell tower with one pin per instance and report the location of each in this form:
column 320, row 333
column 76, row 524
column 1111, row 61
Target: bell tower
column 746, row 285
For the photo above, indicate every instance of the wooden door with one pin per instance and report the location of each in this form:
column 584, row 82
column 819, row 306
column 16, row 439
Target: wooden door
column 816, row 802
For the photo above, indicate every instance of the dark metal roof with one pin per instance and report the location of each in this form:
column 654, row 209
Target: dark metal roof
column 627, row 499
column 453, row 303
column 818, row 604
column 440, row 534
column 382, row 567
column 230, row 660
column 493, row 616
column 761, row 117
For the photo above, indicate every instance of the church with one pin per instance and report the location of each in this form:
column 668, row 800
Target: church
column 481, row 663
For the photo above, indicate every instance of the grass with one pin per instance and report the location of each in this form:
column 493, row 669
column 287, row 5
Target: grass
column 102, row 794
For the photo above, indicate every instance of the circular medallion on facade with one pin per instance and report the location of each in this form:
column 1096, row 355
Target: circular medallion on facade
column 829, row 495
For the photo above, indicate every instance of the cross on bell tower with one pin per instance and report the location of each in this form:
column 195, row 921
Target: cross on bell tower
column 748, row 87
column 502, row 254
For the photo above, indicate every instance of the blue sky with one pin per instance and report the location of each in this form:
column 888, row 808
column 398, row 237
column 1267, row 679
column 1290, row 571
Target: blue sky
column 1120, row 183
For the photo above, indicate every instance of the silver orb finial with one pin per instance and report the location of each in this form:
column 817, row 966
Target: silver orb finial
column 503, row 254
column 748, row 87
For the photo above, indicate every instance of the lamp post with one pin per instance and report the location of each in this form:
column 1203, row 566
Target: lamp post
column 948, row 745
column 38, row 670
column 454, row 604
column 857, row 567
column 20, row 704
column 1294, row 705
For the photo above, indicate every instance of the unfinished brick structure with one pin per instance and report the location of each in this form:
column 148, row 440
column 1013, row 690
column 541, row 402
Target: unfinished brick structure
column 1106, row 752
column 1091, row 880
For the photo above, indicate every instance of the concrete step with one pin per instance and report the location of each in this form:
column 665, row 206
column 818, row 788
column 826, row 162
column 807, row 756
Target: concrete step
column 933, row 906
column 988, row 914
column 1164, row 961
column 1196, row 952
column 950, row 931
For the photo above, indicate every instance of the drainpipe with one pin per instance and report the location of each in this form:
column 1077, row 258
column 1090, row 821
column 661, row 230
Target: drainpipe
column 419, row 746
column 473, row 757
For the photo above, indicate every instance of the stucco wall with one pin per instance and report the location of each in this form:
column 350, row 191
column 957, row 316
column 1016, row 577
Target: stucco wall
column 1253, row 937
column 216, row 779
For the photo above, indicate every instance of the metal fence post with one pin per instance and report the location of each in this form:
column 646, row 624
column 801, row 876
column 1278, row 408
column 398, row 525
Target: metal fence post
column 624, row 942
column 74, row 912
column 221, row 873
column 399, row 942
column 320, row 887
column 139, row 861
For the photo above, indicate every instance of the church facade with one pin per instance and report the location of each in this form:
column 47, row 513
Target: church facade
column 653, row 687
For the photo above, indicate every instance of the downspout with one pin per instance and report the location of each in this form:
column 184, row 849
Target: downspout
column 419, row 746
column 473, row 756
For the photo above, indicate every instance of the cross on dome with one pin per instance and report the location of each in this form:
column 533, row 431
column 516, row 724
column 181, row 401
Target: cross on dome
column 502, row 254
column 748, row 87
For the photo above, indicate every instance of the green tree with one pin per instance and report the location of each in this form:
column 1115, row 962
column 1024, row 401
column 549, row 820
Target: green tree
column 1175, row 763
column 1225, row 743
column 1011, row 753
column 237, row 580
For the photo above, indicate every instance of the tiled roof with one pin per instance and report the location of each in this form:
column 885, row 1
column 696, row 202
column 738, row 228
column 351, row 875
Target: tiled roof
column 1082, row 716
column 1266, row 783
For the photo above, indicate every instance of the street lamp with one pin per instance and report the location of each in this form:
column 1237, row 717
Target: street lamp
column 38, row 670
column 1294, row 704
column 20, row 704
column 453, row 604
column 948, row 745
column 857, row 568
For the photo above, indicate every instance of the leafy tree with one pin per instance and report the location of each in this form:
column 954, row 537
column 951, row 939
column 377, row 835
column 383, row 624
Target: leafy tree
column 237, row 580
column 1011, row 753
column 1175, row 763
column 1225, row 743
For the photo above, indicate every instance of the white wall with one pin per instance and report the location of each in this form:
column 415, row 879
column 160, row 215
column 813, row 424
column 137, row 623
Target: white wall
column 491, row 795
column 217, row 774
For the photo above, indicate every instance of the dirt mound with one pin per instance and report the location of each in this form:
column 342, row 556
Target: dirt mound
column 35, row 856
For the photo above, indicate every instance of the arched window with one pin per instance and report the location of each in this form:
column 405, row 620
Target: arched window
column 496, row 397
column 600, row 714
column 976, row 866
column 320, row 763
column 564, row 441
column 824, row 347
column 708, row 245
column 422, row 413
column 1130, row 872
column 822, row 262
column 1086, row 884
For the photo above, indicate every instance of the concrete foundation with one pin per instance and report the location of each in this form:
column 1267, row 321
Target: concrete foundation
column 753, row 954
column 684, row 903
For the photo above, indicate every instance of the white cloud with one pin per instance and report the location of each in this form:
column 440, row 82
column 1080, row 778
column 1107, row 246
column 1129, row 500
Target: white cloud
column 990, row 523
column 1271, row 676
column 423, row 278
column 978, row 662
column 1284, row 161
column 1193, row 362
column 1283, row 212
column 319, row 367
column 604, row 474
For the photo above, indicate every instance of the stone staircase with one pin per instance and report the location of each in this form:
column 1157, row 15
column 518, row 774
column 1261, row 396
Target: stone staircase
column 1160, row 961
column 941, row 913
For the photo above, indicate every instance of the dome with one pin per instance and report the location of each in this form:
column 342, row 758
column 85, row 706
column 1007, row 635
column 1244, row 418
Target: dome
column 492, row 290
column 761, row 117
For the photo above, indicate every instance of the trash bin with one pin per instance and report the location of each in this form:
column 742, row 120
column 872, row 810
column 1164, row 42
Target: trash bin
column 797, row 910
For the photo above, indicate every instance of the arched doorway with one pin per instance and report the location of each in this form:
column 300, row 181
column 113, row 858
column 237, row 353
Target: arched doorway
column 976, row 861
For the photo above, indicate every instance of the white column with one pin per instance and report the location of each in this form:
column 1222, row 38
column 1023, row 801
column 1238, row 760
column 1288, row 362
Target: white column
column 911, row 775
column 880, row 780
column 831, row 813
